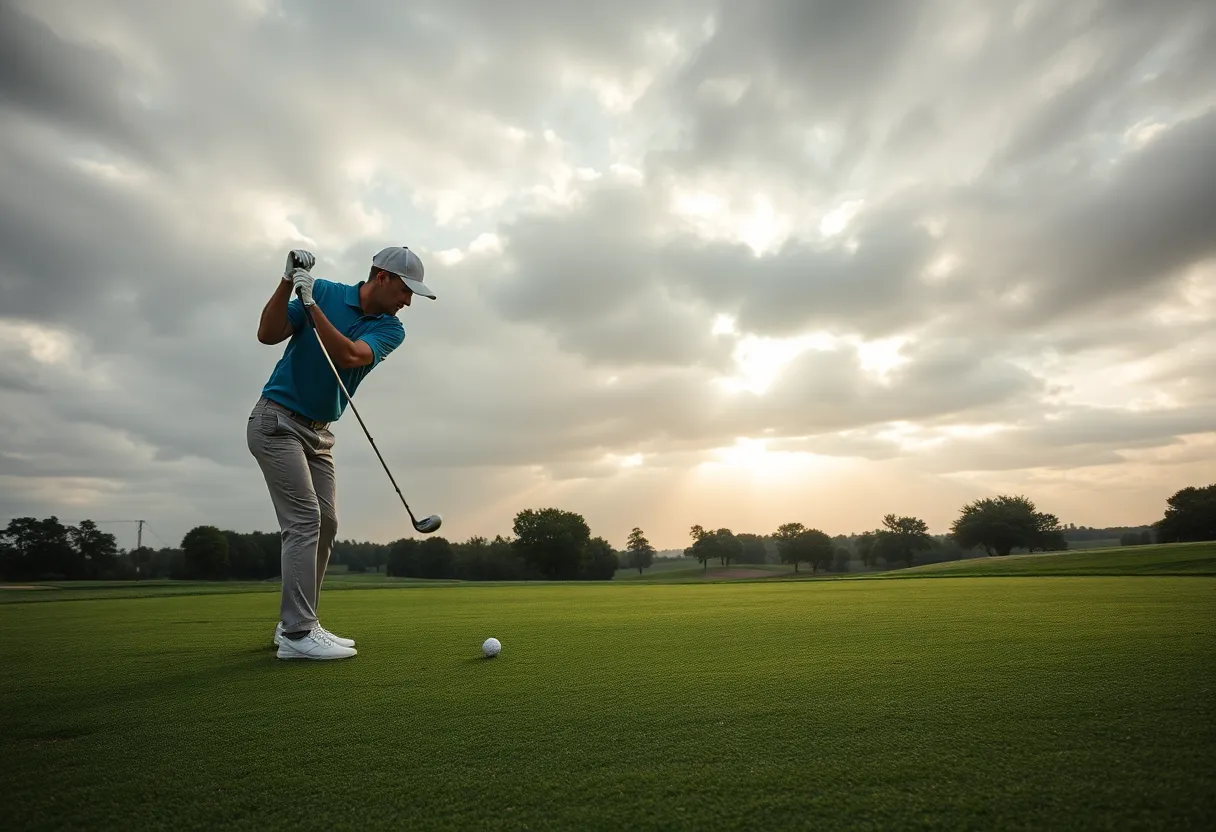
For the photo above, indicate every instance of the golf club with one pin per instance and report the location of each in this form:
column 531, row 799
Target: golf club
column 427, row 524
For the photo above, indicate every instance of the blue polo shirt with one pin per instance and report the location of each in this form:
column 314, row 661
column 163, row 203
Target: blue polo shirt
column 302, row 380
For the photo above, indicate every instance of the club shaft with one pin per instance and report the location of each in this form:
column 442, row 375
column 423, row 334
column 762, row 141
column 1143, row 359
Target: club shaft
column 351, row 402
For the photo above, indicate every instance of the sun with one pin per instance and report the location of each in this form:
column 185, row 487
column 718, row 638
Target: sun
column 752, row 460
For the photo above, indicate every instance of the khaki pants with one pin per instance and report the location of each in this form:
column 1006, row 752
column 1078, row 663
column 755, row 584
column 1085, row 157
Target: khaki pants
column 298, row 465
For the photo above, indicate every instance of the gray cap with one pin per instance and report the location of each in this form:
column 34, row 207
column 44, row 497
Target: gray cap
column 405, row 264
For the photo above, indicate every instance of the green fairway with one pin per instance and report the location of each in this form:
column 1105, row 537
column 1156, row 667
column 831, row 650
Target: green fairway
column 1165, row 559
column 982, row 704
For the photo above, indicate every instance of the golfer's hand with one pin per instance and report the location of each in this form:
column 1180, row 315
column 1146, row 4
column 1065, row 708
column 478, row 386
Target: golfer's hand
column 301, row 283
column 298, row 259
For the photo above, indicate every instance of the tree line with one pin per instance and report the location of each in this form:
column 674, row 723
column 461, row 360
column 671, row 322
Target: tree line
column 554, row 544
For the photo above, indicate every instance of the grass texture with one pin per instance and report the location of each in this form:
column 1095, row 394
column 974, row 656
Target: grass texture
column 1161, row 559
column 1022, row 703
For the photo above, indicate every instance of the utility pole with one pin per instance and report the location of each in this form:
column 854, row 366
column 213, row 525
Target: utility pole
column 139, row 538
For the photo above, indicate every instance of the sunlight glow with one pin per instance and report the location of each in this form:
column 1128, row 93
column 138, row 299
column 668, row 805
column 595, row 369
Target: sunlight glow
column 760, row 226
column 880, row 357
column 46, row 346
column 760, row 360
column 940, row 269
column 723, row 325
column 751, row 459
column 838, row 219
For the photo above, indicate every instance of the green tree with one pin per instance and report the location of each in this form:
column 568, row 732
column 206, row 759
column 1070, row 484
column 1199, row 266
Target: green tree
column 435, row 558
column 700, row 548
column 1190, row 516
column 1001, row 524
column 96, row 551
column 798, row 544
column 552, row 541
column 206, row 553
column 403, row 559
column 599, row 561
column 41, row 549
column 901, row 538
column 245, row 557
column 726, row 546
column 641, row 553
column 787, row 536
column 1046, row 533
column 840, row 562
column 720, row 543
column 752, row 548
column 865, row 549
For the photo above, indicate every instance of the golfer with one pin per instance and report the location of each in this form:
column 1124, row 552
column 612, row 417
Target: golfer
column 288, row 430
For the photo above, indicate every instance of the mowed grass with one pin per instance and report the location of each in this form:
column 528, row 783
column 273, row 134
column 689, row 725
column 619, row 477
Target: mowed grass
column 1161, row 559
column 1020, row 703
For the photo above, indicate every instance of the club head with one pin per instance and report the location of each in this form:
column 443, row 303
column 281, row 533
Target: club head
column 428, row 524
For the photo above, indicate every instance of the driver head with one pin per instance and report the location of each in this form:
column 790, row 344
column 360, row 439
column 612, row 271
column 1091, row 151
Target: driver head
column 428, row 524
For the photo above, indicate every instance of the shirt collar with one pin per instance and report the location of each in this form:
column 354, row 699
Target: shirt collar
column 352, row 299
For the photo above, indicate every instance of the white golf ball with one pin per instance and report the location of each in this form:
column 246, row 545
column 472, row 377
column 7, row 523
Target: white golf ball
column 491, row 647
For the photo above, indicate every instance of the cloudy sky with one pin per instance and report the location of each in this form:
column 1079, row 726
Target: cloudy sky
column 733, row 264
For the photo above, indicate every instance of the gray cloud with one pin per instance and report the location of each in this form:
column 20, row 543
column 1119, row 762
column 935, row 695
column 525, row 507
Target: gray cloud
column 1034, row 192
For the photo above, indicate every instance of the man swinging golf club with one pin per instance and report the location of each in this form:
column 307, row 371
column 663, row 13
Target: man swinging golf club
column 309, row 388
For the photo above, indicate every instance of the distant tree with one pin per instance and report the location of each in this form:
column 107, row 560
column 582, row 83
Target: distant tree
column 1046, row 533
column 599, row 561
column 726, row 546
column 435, row 558
column 270, row 544
column 840, row 562
column 798, row 544
column 96, row 551
column 720, row 543
column 206, row 553
column 552, row 541
column 949, row 548
column 752, row 548
column 503, row 562
column 701, row 549
column 640, row 552
column 1190, row 516
column 245, row 557
column 901, row 538
column 865, row 549
column 40, row 549
column 787, row 536
column 1001, row 524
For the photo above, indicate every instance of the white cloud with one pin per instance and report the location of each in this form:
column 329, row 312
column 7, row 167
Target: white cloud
column 882, row 259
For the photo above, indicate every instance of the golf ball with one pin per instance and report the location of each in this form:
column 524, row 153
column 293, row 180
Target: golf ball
column 491, row 647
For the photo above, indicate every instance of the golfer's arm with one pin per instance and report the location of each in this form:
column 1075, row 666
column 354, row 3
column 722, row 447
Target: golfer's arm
column 344, row 352
column 274, row 326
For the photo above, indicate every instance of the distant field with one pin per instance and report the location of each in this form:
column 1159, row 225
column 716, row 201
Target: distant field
column 111, row 590
column 692, row 570
column 1029, row 703
column 1161, row 559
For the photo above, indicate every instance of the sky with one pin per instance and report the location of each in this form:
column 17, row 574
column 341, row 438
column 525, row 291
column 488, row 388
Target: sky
column 697, row 262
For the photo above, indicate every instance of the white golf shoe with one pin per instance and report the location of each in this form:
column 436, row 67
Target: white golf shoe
column 316, row 645
column 339, row 640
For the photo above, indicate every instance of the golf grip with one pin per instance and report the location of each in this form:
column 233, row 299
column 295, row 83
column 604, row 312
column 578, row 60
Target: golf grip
column 350, row 401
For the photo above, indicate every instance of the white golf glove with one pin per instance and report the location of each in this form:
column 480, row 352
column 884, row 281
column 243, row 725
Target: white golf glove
column 298, row 259
column 301, row 282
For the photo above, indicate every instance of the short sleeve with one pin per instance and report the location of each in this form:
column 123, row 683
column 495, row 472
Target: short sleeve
column 295, row 313
column 384, row 338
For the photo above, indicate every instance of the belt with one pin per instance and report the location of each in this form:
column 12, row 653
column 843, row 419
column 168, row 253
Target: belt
column 299, row 417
